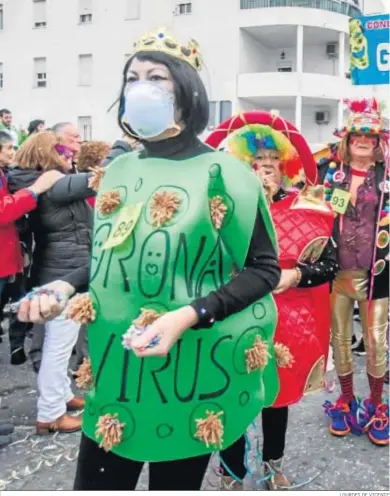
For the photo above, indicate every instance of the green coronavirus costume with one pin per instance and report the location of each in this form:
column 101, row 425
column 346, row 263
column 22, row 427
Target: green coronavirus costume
column 166, row 233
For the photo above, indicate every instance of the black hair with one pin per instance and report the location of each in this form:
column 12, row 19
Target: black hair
column 189, row 90
column 33, row 126
column 4, row 138
column 4, row 112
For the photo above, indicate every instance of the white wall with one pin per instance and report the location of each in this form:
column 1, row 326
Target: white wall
column 214, row 23
column 254, row 57
column 315, row 133
column 287, row 113
column 108, row 38
column 376, row 6
column 218, row 40
column 316, row 61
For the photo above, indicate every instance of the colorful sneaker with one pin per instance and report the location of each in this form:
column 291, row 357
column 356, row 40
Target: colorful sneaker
column 339, row 414
column 361, row 413
column 366, row 413
column 378, row 426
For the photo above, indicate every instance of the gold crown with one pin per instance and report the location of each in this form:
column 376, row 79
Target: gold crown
column 160, row 40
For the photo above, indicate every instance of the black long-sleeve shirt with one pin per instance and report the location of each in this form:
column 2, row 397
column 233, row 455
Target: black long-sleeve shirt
column 322, row 271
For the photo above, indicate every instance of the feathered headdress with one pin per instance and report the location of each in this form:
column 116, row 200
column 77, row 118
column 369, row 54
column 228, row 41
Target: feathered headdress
column 245, row 142
column 365, row 117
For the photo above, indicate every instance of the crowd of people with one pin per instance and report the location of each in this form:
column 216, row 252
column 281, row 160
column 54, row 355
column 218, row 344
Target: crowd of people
column 199, row 288
column 46, row 233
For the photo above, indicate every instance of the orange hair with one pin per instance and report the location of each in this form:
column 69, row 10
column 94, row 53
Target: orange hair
column 92, row 154
column 38, row 152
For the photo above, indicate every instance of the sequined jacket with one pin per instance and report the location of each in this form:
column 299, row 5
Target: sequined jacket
column 379, row 272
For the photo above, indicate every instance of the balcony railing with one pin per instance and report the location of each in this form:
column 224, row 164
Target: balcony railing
column 339, row 6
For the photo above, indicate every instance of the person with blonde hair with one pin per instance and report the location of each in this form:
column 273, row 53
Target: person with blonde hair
column 61, row 226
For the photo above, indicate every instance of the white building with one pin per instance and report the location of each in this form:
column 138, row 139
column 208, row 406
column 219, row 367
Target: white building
column 63, row 59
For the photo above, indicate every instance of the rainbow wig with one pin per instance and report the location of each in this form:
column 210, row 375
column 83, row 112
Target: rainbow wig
column 245, row 142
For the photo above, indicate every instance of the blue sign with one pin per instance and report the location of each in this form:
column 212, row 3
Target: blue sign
column 369, row 41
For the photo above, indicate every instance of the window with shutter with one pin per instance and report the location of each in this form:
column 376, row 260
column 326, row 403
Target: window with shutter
column 225, row 110
column 133, row 9
column 85, row 11
column 85, row 70
column 212, row 114
column 39, row 7
column 85, row 127
column 184, row 8
column 40, row 75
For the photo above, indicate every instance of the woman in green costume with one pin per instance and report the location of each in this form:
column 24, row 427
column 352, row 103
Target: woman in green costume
column 182, row 271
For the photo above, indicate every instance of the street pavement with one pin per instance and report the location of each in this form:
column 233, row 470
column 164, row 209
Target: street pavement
column 314, row 460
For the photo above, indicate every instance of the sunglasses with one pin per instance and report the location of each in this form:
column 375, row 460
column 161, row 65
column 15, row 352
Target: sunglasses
column 359, row 138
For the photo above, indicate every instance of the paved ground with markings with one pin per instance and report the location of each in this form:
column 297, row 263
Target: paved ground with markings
column 312, row 456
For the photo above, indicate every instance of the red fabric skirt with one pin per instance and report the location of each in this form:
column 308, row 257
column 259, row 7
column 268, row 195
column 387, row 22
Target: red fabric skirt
column 304, row 327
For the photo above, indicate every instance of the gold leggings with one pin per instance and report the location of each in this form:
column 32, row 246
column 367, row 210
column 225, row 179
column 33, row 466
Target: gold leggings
column 351, row 286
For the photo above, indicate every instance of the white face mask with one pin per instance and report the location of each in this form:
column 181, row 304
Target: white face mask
column 149, row 110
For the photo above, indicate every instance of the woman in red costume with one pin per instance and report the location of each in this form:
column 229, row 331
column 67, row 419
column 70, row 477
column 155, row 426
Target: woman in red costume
column 303, row 223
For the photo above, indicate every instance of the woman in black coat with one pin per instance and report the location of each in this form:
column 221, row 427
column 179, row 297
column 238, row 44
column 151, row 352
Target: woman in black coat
column 61, row 226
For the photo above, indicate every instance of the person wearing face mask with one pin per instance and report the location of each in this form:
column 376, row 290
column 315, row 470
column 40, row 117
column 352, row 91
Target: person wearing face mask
column 357, row 185
column 307, row 257
column 183, row 266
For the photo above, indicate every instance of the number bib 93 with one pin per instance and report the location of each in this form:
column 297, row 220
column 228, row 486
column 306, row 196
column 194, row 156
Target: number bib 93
column 340, row 200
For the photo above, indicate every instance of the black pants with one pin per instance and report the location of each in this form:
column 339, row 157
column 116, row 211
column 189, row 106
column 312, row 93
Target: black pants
column 274, row 422
column 17, row 331
column 98, row 470
column 17, row 336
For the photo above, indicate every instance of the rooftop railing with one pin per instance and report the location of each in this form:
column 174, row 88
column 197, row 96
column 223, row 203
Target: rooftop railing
column 339, row 6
